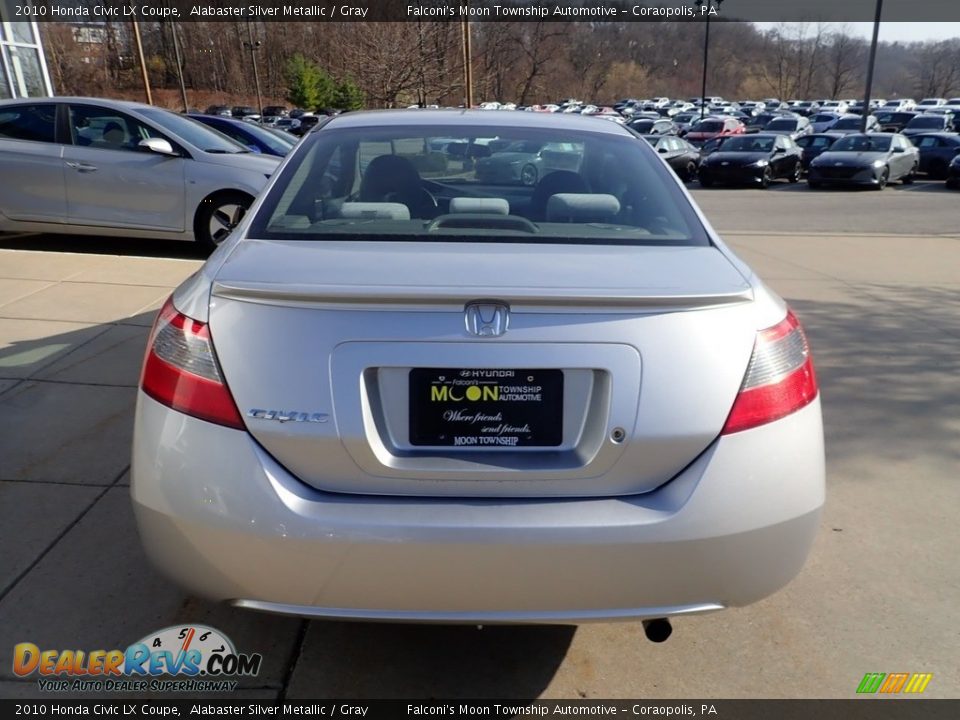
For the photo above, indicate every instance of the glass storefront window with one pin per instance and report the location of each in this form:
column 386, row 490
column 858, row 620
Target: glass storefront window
column 4, row 85
column 25, row 69
column 18, row 32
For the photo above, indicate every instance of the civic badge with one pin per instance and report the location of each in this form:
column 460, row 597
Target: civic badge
column 487, row 318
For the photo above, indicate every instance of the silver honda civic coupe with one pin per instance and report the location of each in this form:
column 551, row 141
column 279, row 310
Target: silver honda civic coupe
column 399, row 393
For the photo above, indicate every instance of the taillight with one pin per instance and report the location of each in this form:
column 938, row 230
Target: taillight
column 779, row 380
column 181, row 370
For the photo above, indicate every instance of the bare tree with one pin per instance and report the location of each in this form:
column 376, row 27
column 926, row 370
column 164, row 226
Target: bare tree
column 845, row 58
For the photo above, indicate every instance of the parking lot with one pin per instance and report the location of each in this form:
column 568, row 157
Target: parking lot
column 874, row 277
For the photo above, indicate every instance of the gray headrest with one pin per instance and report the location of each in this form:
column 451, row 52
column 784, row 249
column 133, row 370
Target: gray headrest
column 582, row 207
column 486, row 206
column 374, row 211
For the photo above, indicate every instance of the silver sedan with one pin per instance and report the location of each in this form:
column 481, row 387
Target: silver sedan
column 107, row 167
column 399, row 392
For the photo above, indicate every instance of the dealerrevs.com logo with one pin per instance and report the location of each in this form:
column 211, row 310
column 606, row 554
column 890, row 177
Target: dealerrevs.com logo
column 181, row 658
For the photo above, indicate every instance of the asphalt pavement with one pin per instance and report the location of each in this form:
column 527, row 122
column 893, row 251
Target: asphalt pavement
column 873, row 276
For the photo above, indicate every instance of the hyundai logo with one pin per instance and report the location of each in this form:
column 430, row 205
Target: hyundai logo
column 487, row 318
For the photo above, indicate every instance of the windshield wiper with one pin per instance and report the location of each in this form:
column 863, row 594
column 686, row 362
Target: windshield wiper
column 221, row 151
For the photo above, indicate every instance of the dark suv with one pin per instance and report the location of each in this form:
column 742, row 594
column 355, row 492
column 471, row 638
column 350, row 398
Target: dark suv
column 241, row 111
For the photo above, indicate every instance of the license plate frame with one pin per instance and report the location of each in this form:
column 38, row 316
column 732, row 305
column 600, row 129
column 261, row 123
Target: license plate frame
column 486, row 408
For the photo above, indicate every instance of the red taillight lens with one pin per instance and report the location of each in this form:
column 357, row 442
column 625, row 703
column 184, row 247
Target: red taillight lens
column 181, row 370
column 779, row 380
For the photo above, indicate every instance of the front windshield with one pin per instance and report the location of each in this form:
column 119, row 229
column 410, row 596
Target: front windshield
column 748, row 144
column 197, row 134
column 400, row 183
column 278, row 144
column 860, row 143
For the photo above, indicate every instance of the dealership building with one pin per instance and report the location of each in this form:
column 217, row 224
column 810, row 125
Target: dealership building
column 23, row 67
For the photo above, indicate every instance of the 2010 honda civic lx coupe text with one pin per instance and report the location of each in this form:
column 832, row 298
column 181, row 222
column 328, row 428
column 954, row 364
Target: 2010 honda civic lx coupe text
column 400, row 392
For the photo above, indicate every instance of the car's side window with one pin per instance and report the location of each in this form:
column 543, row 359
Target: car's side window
column 29, row 122
column 107, row 129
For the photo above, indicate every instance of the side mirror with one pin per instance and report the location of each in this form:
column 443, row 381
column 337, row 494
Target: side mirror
column 662, row 150
column 779, row 151
column 159, row 146
column 898, row 149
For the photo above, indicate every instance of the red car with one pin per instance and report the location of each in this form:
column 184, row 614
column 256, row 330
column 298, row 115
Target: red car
column 713, row 127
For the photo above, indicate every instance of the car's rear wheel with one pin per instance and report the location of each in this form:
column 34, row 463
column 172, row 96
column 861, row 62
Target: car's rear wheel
column 217, row 216
column 690, row 174
column 797, row 174
column 910, row 176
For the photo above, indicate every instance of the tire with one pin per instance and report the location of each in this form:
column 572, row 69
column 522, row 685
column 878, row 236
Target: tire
column 910, row 176
column 952, row 184
column 766, row 178
column 217, row 216
column 690, row 174
column 797, row 174
column 884, row 179
column 704, row 182
column 528, row 175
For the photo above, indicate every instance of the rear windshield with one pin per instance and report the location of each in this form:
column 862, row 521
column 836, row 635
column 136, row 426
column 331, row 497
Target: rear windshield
column 824, row 117
column 708, row 126
column 782, row 125
column 748, row 144
column 859, row 143
column 814, row 141
column 929, row 121
column 848, row 124
column 473, row 184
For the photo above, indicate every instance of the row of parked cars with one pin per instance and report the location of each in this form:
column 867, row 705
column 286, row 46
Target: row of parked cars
column 827, row 159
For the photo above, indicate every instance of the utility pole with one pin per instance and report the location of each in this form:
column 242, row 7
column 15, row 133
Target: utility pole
column 706, row 50
column 176, row 52
column 143, row 63
column 254, row 46
column 467, row 64
column 873, row 57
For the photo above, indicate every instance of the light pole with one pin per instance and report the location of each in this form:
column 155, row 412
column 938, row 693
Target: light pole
column 176, row 52
column 254, row 46
column 706, row 50
column 873, row 57
column 467, row 65
column 143, row 63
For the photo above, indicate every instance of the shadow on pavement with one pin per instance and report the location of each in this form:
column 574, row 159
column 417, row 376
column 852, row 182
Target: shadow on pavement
column 98, row 245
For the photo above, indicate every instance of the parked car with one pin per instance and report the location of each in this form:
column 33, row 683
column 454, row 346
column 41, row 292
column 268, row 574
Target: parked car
column 458, row 446
column 894, row 121
column 953, row 174
column 823, row 121
column 812, row 146
column 647, row 126
column 794, row 127
column 849, row 124
column 928, row 103
column 108, row 167
column 221, row 110
column 242, row 111
column 753, row 160
column 287, row 124
column 681, row 156
column 872, row 160
column 305, row 123
column 928, row 123
column 937, row 151
column 525, row 162
column 684, row 120
column 903, row 104
column 834, row 106
column 806, row 108
column 253, row 137
column 711, row 127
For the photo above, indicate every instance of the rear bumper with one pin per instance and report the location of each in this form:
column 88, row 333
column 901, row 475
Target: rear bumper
column 220, row 517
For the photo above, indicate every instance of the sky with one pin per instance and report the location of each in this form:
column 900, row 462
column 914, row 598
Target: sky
column 896, row 31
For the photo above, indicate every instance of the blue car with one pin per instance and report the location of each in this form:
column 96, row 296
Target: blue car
column 251, row 136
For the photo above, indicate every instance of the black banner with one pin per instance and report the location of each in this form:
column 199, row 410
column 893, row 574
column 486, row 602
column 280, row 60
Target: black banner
column 481, row 10
column 863, row 709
